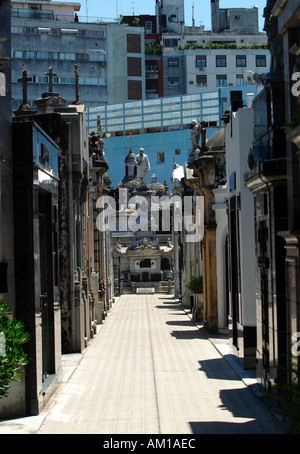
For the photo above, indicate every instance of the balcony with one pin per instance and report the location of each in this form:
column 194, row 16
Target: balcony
column 22, row 13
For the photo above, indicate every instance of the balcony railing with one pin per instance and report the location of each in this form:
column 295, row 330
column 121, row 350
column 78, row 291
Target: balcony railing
column 23, row 13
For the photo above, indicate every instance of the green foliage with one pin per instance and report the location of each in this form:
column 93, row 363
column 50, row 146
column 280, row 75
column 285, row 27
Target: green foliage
column 14, row 357
column 211, row 45
column 196, row 285
column 295, row 121
column 136, row 21
column 152, row 48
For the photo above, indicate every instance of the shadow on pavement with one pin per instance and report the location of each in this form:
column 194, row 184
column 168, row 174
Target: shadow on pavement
column 220, row 427
column 218, row 369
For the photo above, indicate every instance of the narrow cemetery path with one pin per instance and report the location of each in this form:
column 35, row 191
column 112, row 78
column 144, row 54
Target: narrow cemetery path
column 150, row 370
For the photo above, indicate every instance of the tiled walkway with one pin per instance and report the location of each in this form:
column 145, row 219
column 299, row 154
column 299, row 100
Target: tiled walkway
column 150, row 370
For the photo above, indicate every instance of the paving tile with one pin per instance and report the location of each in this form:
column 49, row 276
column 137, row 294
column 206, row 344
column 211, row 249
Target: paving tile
column 150, row 370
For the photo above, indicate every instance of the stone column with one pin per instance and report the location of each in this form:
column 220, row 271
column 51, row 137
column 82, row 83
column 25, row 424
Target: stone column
column 210, row 295
column 205, row 169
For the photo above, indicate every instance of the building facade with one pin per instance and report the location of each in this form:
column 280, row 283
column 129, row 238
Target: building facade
column 170, row 15
column 236, row 20
column 277, row 201
column 65, row 289
column 206, row 69
column 110, row 57
column 266, row 177
column 288, row 24
column 241, row 240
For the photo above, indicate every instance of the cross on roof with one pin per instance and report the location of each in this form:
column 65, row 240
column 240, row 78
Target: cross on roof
column 50, row 74
column 131, row 141
column 24, row 81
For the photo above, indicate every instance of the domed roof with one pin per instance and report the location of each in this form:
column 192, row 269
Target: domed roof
column 130, row 157
column 217, row 140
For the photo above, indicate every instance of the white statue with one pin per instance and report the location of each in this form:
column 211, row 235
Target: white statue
column 143, row 166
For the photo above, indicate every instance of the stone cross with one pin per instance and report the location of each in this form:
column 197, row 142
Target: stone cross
column 77, row 82
column 130, row 141
column 24, row 81
column 51, row 75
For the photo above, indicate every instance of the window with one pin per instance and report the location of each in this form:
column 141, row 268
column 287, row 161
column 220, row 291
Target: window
column 41, row 79
column 146, row 263
column 173, row 62
column 17, row 29
column 92, row 81
column 261, row 61
column 70, row 31
column 17, row 54
column 29, row 54
column 82, row 57
column 148, row 27
column 221, row 80
column 201, row 61
column 96, row 57
column 240, row 81
column 173, row 81
column 241, row 60
column 68, row 80
column 42, row 55
column 151, row 67
column 52, row 55
column 98, row 33
column 160, row 157
column 171, row 42
column 201, row 81
column 221, row 61
column 67, row 56
column 43, row 30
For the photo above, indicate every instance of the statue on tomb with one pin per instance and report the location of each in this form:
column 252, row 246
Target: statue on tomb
column 203, row 136
column 118, row 246
column 100, row 135
column 143, row 166
column 96, row 143
column 195, row 134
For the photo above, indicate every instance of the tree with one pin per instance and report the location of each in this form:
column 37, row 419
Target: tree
column 195, row 285
column 12, row 356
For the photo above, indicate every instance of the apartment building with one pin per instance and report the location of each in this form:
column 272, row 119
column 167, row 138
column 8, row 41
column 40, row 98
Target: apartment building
column 211, row 67
column 110, row 57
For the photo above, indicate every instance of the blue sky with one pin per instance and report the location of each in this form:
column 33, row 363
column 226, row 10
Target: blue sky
column 107, row 10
